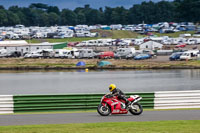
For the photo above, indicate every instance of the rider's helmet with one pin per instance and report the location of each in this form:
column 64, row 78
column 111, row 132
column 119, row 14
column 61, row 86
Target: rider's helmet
column 112, row 87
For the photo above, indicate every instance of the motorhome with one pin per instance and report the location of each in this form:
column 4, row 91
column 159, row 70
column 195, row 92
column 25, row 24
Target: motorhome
column 3, row 52
column 189, row 55
column 41, row 53
column 124, row 52
column 86, row 53
column 62, row 53
column 74, row 51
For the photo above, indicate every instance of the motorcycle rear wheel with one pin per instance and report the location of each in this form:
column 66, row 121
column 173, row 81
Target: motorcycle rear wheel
column 103, row 110
column 136, row 109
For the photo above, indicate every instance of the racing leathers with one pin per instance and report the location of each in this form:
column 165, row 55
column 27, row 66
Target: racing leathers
column 117, row 92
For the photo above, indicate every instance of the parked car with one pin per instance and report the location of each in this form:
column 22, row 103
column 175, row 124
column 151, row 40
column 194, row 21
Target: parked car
column 180, row 46
column 105, row 55
column 142, row 56
column 175, row 56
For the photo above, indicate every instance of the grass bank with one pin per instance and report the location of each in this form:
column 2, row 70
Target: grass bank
column 72, row 39
column 107, row 34
column 179, row 126
column 56, row 64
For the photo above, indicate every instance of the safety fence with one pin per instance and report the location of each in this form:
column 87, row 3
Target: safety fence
column 72, row 102
column 76, row 102
column 177, row 99
column 68, row 102
column 6, row 104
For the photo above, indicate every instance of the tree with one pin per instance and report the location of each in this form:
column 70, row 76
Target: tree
column 53, row 9
column 81, row 18
column 13, row 19
column 68, row 17
column 119, row 16
column 107, row 15
column 39, row 6
column 188, row 10
column 3, row 18
column 44, row 19
column 1, row 7
column 53, row 18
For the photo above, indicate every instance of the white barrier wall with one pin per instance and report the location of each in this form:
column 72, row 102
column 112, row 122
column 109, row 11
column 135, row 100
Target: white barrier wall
column 6, row 104
column 177, row 99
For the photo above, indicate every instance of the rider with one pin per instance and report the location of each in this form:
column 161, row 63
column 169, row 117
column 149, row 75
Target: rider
column 117, row 92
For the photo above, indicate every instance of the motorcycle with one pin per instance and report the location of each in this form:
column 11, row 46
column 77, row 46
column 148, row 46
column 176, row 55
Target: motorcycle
column 110, row 104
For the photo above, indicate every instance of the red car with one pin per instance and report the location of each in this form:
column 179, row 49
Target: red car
column 180, row 46
column 106, row 55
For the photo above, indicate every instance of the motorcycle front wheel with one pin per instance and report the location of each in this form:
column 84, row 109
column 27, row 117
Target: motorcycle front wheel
column 136, row 109
column 103, row 110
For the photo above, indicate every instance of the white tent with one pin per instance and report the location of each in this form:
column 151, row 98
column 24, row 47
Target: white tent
column 151, row 45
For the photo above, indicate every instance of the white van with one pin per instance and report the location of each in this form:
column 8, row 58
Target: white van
column 86, row 53
column 40, row 53
column 3, row 52
column 124, row 52
column 189, row 55
column 62, row 53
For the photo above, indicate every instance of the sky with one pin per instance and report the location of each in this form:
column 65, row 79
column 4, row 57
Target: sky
column 72, row 4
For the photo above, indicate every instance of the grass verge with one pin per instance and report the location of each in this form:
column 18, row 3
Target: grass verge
column 179, row 126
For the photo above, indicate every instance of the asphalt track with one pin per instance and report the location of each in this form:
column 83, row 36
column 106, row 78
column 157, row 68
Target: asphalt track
column 62, row 118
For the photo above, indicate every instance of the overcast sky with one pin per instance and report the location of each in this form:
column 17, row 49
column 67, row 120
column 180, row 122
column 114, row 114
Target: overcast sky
column 72, row 4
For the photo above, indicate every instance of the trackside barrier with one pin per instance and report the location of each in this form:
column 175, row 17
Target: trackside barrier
column 75, row 102
column 6, row 104
column 70, row 102
column 177, row 99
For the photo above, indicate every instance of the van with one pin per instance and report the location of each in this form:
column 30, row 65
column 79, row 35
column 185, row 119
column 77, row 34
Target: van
column 41, row 53
column 189, row 55
column 124, row 52
column 86, row 53
column 3, row 52
column 62, row 53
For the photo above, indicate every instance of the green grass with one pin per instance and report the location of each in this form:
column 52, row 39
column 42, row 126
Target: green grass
column 124, row 34
column 110, row 34
column 179, row 126
column 73, row 39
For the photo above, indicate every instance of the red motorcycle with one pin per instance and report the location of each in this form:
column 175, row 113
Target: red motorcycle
column 110, row 104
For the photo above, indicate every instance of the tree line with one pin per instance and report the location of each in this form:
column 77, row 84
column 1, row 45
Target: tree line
column 38, row 14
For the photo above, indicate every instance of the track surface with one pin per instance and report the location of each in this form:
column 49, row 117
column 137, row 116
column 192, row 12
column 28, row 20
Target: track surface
column 34, row 119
